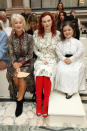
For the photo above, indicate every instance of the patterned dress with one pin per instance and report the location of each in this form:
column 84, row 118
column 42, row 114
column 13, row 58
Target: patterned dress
column 21, row 50
column 44, row 49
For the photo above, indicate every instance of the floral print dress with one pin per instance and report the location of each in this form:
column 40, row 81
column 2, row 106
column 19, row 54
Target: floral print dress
column 44, row 49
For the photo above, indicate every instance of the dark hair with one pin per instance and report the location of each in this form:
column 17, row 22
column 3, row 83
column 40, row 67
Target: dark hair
column 65, row 24
column 72, row 12
column 58, row 5
column 32, row 18
column 59, row 20
column 40, row 27
column 62, row 12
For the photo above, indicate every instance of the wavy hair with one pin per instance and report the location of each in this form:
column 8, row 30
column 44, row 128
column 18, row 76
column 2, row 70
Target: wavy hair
column 59, row 4
column 15, row 16
column 40, row 27
column 67, row 23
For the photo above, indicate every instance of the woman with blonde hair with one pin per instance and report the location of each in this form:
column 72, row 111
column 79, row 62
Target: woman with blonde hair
column 20, row 45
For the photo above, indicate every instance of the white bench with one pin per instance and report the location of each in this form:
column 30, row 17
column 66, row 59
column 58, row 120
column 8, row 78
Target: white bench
column 62, row 110
column 4, row 92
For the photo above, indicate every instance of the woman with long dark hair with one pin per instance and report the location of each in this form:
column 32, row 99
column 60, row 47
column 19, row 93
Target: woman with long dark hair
column 60, row 20
column 58, row 9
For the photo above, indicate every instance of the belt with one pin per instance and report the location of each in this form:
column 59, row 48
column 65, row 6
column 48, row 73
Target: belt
column 68, row 55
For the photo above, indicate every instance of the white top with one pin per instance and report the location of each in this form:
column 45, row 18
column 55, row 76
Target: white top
column 4, row 24
column 70, row 46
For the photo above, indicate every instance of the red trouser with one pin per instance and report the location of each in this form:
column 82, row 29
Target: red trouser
column 42, row 82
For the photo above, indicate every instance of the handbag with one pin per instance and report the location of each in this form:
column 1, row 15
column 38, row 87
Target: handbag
column 22, row 74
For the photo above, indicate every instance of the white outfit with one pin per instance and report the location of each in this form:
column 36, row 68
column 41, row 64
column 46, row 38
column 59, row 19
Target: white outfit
column 70, row 78
column 45, row 49
column 8, row 30
column 4, row 24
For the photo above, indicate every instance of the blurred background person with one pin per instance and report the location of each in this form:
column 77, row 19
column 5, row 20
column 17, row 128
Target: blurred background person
column 76, row 22
column 26, row 16
column 73, row 12
column 4, row 21
column 32, row 23
column 60, row 20
column 59, row 8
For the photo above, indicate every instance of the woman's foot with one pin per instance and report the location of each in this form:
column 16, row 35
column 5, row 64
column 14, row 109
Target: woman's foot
column 19, row 108
column 45, row 115
column 38, row 114
column 68, row 96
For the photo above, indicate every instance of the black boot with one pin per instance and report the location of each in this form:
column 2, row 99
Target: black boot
column 34, row 97
column 19, row 108
column 68, row 96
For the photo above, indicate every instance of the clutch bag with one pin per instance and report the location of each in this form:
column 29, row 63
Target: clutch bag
column 22, row 74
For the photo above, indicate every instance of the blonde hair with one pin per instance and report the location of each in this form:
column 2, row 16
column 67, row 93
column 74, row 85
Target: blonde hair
column 15, row 16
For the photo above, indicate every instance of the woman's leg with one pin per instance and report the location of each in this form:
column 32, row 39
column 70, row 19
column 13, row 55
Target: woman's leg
column 22, row 88
column 15, row 79
column 47, row 90
column 21, row 92
column 39, row 88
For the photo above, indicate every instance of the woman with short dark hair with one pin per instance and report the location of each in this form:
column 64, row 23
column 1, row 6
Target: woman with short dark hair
column 70, row 74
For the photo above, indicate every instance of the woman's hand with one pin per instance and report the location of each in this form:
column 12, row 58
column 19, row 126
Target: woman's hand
column 18, row 70
column 44, row 61
column 17, row 65
column 3, row 65
column 67, row 61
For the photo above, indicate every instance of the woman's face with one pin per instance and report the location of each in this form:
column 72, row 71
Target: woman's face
column 74, row 14
column 47, row 23
column 33, row 25
column 60, row 7
column 61, row 16
column 18, row 25
column 68, row 31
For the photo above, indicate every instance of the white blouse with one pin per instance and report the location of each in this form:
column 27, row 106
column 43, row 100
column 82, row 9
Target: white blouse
column 45, row 47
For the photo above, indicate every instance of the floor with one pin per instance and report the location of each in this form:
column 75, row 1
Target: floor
column 28, row 121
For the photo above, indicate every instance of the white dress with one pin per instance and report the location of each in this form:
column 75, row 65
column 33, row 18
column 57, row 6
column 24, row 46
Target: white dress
column 45, row 49
column 70, row 78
